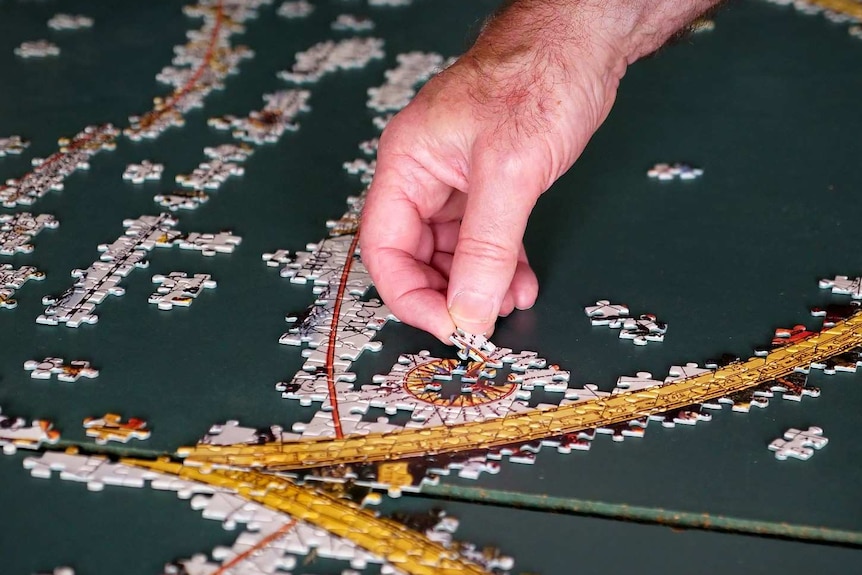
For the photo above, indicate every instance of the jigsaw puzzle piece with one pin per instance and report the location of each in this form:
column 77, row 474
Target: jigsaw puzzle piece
column 798, row 444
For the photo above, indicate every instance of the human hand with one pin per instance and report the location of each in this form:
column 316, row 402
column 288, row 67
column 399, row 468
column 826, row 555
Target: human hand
column 461, row 167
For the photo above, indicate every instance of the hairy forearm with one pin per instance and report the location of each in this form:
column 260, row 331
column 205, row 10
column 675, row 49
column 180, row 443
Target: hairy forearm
column 617, row 31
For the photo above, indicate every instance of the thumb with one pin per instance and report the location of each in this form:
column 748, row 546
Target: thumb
column 499, row 201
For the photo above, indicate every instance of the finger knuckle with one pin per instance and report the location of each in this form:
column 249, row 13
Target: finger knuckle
column 487, row 250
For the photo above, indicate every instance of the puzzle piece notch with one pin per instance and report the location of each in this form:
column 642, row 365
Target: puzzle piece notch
column 798, row 444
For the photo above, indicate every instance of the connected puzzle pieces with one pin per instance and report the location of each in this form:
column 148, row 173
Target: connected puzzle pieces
column 117, row 260
column 18, row 230
column 110, row 427
column 16, row 432
column 12, row 279
column 798, row 444
column 843, row 285
column 70, row 372
column 143, row 172
column 178, row 289
column 640, row 330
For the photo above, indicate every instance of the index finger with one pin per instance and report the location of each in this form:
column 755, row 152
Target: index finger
column 391, row 240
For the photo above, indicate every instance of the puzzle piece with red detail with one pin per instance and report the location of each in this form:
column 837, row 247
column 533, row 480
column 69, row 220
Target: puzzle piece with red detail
column 689, row 415
column 71, row 372
column 786, row 336
column 110, row 427
column 16, row 433
column 833, row 313
column 619, row 431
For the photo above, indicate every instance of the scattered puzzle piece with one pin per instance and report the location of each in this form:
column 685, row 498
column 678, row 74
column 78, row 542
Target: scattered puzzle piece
column 843, row 285
column 352, row 23
column 71, row 372
column 69, row 22
column 666, row 172
column 37, row 49
column 12, row 279
column 297, row 9
column 798, row 444
column 331, row 56
column 644, row 329
column 110, row 427
column 178, row 289
column 16, row 433
column 606, row 313
column 12, row 145
column 59, row 571
column 17, row 230
column 145, row 171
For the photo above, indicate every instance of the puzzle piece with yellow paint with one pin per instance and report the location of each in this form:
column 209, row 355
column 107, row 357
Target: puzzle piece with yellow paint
column 109, row 427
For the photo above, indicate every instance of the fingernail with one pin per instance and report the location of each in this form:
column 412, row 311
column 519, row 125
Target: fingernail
column 469, row 307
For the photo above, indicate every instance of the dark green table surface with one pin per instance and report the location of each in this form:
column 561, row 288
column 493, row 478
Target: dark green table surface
column 767, row 104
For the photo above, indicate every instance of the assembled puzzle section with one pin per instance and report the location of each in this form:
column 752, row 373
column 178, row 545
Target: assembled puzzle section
column 178, row 289
column 49, row 173
column 330, row 56
column 18, row 230
column 289, row 522
column 642, row 329
column 17, row 433
column 199, row 66
column 12, row 279
column 78, row 303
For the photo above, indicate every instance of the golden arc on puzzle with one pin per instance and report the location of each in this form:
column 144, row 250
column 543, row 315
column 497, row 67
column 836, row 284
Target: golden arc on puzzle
column 538, row 424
